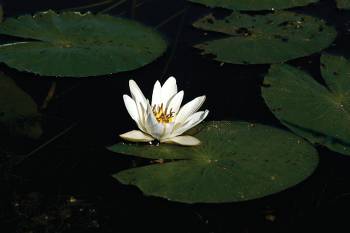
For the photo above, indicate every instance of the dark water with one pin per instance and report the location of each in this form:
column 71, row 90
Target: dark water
column 64, row 184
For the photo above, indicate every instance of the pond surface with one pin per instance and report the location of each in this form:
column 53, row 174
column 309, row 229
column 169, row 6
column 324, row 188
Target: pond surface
column 62, row 181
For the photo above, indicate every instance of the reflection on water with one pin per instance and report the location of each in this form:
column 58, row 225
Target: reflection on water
column 61, row 182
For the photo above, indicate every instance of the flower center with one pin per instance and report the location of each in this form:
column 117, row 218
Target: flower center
column 162, row 115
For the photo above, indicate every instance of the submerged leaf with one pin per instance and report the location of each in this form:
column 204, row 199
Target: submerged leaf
column 343, row 4
column 78, row 45
column 1, row 13
column 18, row 112
column 320, row 114
column 254, row 5
column 236, row 161
column 264, row 39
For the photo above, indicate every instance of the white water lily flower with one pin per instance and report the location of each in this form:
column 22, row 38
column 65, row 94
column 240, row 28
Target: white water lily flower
column 163, row 119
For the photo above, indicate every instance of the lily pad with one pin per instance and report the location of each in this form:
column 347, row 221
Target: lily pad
column 78, row 45
column 318, row 113
column 237, row 161
column 343, row 4
column 265, row 39
column 18, row 112
column 254, row 5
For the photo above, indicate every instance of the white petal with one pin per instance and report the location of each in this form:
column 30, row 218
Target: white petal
column 156, row 130
column 169, row 89
column 175, row 102
column 131, row 107
column 150, row 118
column 168, row 130
column 188, row 109
column 137, row 94
column 198, row 116
column 183, row 140
column 136, row 136
column 157, row 94
column 142, row 117
column 191, row 122
column 153, row 127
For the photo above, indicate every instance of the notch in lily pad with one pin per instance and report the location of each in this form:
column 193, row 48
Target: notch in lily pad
column 236, row 161
column 316, row 112
column 264, row 39
column 78, row 45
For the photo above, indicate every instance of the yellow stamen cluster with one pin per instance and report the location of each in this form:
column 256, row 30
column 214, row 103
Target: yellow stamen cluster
column 162, row 115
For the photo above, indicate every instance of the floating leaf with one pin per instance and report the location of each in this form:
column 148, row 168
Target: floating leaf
column 311, row 110
column 254, row 5
column 264, row 39
column 343, row 4
column 18, row 112
column 236, row 161
column 78, row 45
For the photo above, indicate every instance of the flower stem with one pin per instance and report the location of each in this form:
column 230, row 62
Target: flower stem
column 50, row 95
column 133, row 9
column 112, row 6
column 92, row 5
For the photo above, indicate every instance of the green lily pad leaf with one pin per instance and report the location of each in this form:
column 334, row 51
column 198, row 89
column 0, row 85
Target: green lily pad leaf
column 78, row 45
column 265, row 39
column 343, row 4
column 236, row 161
column 254, row 5
column 18, row 112
column 320, row 114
